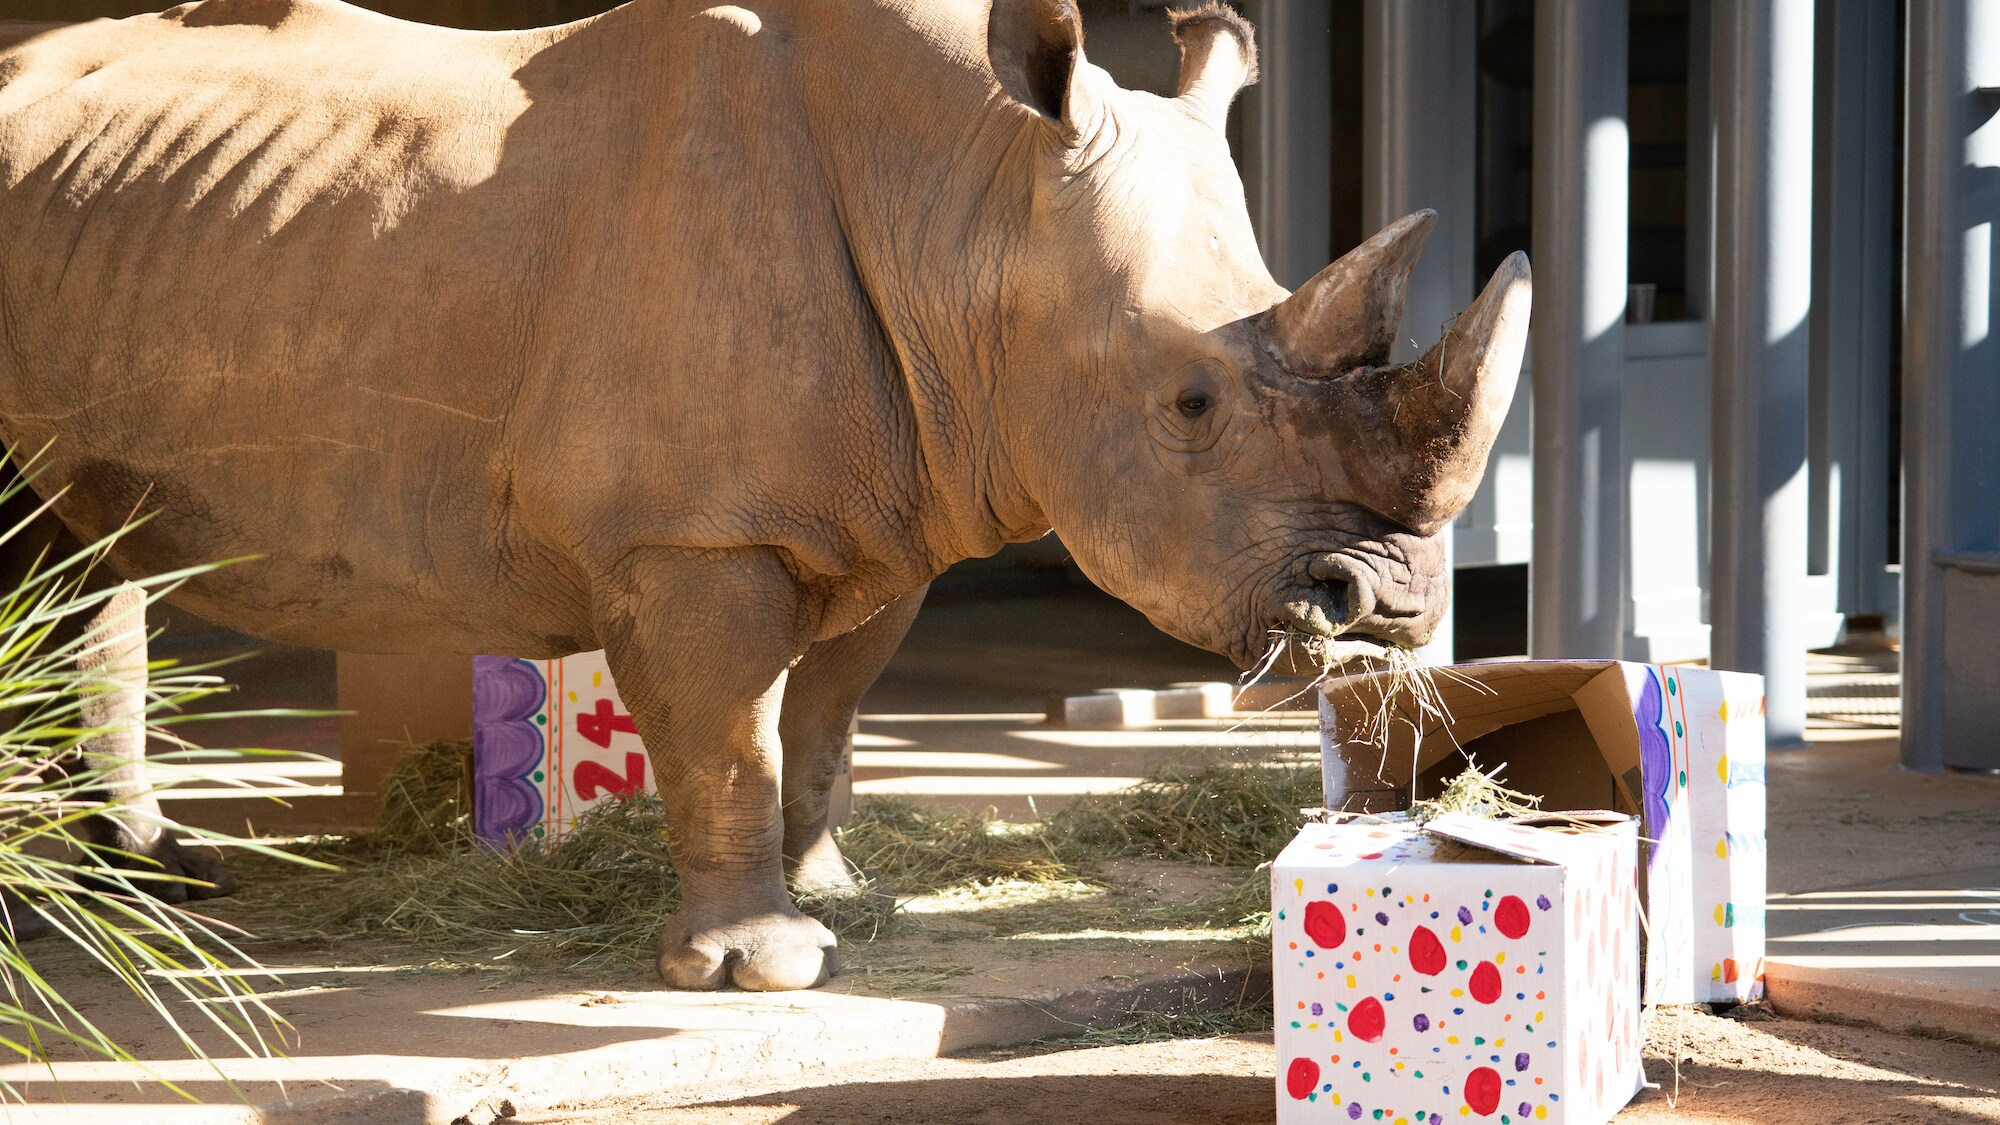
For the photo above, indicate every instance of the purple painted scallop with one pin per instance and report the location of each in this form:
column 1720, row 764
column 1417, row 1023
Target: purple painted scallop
column 507, row 747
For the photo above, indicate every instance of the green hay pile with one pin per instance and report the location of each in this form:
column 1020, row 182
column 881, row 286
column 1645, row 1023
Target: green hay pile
column 1233, row 816
column 593, row 902
column 914, row 849
column 426, row 802
column 1476, row 792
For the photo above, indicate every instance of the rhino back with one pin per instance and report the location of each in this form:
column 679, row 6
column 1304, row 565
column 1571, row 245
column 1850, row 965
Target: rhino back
column 440, row 322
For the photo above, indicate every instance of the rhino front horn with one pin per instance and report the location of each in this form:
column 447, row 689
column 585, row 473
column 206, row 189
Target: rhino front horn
column 1445, row 408
column 1348, row 314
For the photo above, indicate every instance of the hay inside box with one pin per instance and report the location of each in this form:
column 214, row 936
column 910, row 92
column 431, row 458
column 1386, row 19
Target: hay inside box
column 1681, row 748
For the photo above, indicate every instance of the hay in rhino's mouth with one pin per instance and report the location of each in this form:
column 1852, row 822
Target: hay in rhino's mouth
column 1358, row 651
column 1402, row 696
column 1292, row 651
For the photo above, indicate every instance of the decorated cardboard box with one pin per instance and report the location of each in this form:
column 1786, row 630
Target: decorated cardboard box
column 550, row 738
column 1681, row 748
column 1466, row 968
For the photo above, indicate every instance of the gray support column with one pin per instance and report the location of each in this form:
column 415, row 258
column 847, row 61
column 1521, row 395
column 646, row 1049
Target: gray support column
column 1701, row 160
column 1419, row 132
column 1762, row 71
column 1854, row 188
column 1951, row 397
column 1419, row 135
column 1294, row 125
column 1576, row 580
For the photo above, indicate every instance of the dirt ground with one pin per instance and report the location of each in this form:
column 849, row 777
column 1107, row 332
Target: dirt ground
column 1773, row 1072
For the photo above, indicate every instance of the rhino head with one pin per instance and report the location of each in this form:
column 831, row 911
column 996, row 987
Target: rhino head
column 1231, row 459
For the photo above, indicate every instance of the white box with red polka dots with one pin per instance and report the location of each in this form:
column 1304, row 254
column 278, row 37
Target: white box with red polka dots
column 1463, row 969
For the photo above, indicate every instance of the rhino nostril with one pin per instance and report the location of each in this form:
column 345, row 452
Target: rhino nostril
column 1338, row 598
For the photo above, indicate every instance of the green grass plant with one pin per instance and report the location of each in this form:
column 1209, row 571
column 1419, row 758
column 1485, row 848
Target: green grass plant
column 186, row 970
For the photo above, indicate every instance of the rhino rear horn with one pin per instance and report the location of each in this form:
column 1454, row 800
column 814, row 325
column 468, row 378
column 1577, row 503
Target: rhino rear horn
column 1446, row 407
column 1348, row 314
column 1218, row 59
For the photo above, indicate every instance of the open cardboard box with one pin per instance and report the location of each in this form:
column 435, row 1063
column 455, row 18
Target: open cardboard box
column 1681, row 748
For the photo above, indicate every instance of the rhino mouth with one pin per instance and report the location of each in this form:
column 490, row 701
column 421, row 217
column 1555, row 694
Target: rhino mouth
column 1315, row 628
column 1326, row 614
column 1291, row 651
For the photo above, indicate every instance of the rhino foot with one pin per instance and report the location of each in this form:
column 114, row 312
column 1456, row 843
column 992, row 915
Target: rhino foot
column 21, row 921
column 769, row 952
column 164, row 855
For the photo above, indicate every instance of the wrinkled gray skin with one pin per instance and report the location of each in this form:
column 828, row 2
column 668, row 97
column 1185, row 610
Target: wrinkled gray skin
column 707, row 335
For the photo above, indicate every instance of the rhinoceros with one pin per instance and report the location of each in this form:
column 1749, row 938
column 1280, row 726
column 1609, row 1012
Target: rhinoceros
column 707, row 334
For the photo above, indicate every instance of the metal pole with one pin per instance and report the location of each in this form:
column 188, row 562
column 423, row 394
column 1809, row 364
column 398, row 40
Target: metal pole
column 1576, row 579
column 1763, row 292
column 1419, row 131
column 1852, row 303
column 1951, row 405
column 1701, row 160
column 1295, row 135
column 1420, row 128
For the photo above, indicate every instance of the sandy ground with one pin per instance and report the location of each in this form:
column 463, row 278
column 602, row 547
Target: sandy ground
column 1774, row 1072
column 1843, row 817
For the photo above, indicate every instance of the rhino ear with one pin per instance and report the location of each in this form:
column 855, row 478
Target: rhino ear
column 1218, row 58
column 1036, row 48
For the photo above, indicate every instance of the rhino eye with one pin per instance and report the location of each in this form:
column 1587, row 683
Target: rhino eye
column 1192, row 404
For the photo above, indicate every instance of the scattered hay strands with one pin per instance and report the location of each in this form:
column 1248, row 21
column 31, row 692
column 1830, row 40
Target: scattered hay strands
column 592, row 902
column 1380, row 692
column 1188, row 1016
column 1231, row 815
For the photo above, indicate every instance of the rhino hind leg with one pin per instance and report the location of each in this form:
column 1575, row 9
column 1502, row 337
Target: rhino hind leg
column 700, row 643
column 133, row 833
column 821, row 696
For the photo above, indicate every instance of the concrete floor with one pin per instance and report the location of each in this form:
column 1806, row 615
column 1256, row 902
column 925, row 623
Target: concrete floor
column 1885, row 885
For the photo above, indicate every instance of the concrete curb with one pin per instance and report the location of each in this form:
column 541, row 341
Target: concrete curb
column 1871, row 997
column 805, row 1039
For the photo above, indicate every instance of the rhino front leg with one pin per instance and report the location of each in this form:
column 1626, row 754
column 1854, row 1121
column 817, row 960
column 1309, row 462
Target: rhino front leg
column 820, row 700
column 700, row 643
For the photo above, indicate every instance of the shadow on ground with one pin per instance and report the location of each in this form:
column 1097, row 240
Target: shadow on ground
column 1102, row 1099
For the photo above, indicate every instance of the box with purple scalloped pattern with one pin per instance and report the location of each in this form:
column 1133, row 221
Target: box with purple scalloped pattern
column 550, row 739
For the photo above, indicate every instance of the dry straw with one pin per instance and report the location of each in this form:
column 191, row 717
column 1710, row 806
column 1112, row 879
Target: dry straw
column 1382, row 697
column 1476, row 792
column 592, row 902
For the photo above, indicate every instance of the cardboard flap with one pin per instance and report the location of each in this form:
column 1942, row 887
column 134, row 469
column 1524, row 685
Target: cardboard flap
column 1520, row 840
column 1606, row 704
column 1476, row 699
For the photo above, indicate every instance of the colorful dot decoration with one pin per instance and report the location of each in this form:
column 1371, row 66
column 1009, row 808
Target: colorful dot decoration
column 1442, row 1025
column 1702, row 750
